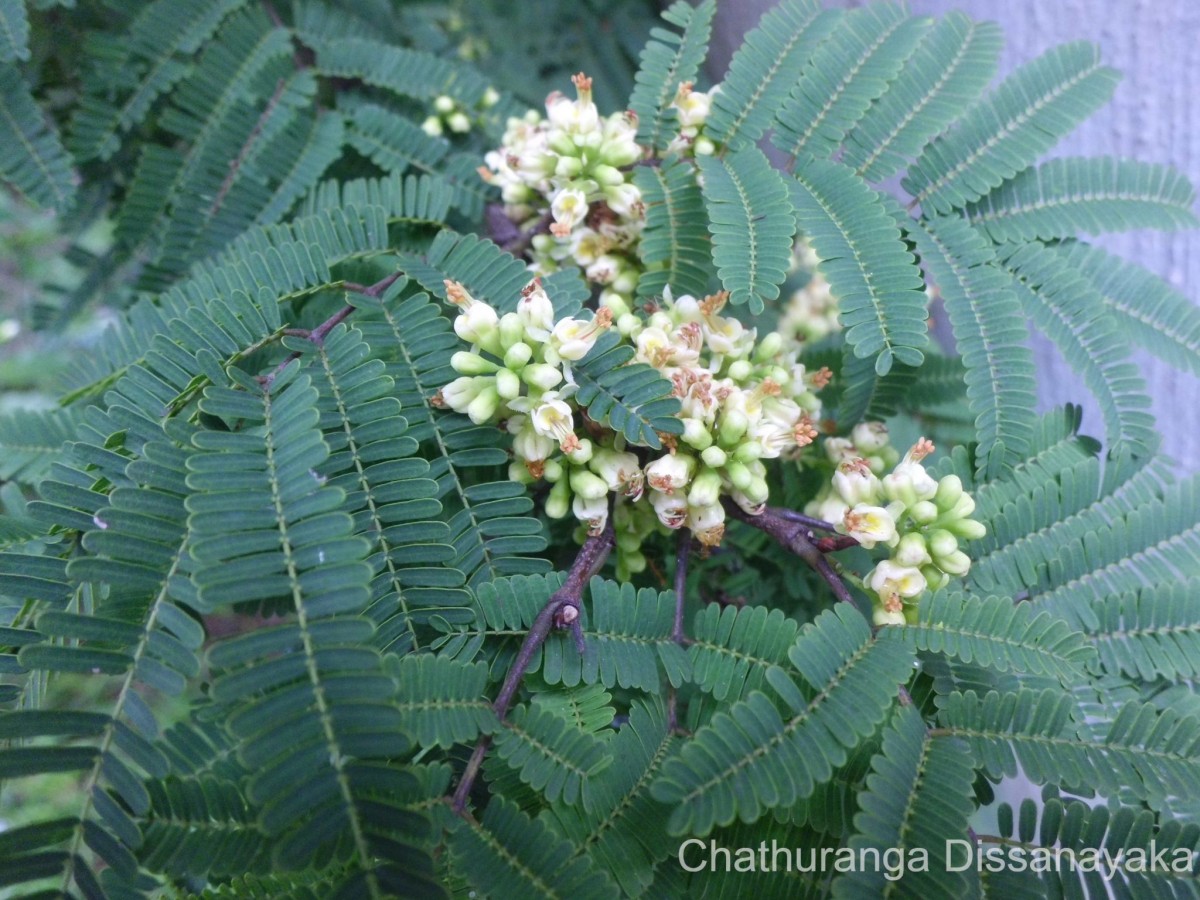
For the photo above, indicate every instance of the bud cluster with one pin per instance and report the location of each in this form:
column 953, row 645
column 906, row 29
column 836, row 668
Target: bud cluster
column 919, row 520
column 743, row 400
column 811, row 312
column 575, row 167
column 450, row 115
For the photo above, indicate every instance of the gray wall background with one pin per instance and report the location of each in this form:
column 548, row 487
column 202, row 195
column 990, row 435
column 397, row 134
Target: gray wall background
column 1152, row 117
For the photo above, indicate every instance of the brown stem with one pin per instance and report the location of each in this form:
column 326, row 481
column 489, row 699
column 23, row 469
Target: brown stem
column 835, row 543
column 683, row 554
column 317, row 335
column 796, row 538
column 560, row 611
column 807, row 521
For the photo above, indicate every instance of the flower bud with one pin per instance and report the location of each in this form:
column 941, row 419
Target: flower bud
column 476, row 324
column 869, row 437
column 558, row 501
column 607, row 176
column 714, row 456
column 542, row 376
column 967, row 529
column 518, row 473
column 484, row 406
column 749, row 506
column 573, row 338
column 552, row 470
column 459, row 393
column 733, row 425
column 459, row 123
column 508, row 385
column 620, row 471
column 891, row 580
column 956, row 563
column 592, row 513
column 444, row 104
column 517, row 355
column 911, row 550
column 949, row 490
column 707, row 523
column 671, row 509
column 581, row 454
column 670, row 473
column 705, row 489
column 941, row 543
column 882, row 617
column 696, row 435
column 739, row 476
column 432, row 126
column 511, row 330
column 768, row 347
column 704, row 147
column 936, row 578
column 854, row 482
column 740, row 370
column 963, row 507
column 530, row 446
column 536, row 312
column 587, row 484
column 923, row 513
column 464, row 362
column 748, row 451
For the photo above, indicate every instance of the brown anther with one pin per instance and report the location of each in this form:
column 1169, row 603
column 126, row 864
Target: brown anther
column 692, row 335
column 893, row 603
column 603, row 317
column 821, row 377
column 769, row 388
column 536, row 467
column 857, row 464
column 456, row 293
column 852, row 520
column 714, row 303
column 670, row 441
column 485, row 174
column 531, row 287
column 921, row 449
column 829, row 426
column 805, row 432
column 711, row 537
column 570, row 443
column 560, row 229
column 437, row 401
column 581, row 82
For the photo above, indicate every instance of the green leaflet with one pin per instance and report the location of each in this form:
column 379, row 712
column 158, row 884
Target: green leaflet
column 1063, row 197
column 751, row 225
column 675, row 245
column 878, row 286
column 33, row 158
column 667, row 60
column 1023, row 118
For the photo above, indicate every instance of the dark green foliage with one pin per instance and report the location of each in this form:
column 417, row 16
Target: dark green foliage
column 252, row 516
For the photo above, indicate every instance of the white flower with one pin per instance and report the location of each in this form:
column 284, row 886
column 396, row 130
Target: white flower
column 620, row 471
column 869, row 436
column 911, row 550
column 553, row 418
column 890, row 581
column 692, row 106
column 535, row 311
column 707, row 523
column 591, row 512
column 869, row 524
column 573, row 338
column 671, row 509
column 855, row 482
column 532, row 446
column 568, row 207
column 669, row 473
column 909, row 482
column 459, row 393
column 624, row 200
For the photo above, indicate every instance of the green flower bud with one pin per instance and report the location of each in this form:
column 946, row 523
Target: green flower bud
column 911, row 550
column 607, row 175
column 714, row 456
column 444, row 104
column 882, row 617
column 705, row 489
column 552, row 470
column 508, row 385
column 942, row 543
column 696, row 435
column 924, row 512
column 768, row 347
column 750, row 450
column 467, row 363
column 733, row 425
column 568, row 167
column 541, row 376
column 587, row 484
column 704, row 147
column 582, row 454
column 483, row 407
column 628, row 540
column 432, row 126
column 949, row 490
column 739, row 476
column 518, row 473
column 626, row 281
column 936, row 577
column 459, row 123
column 740, row 370
column 956, row 563
column 517, row 356
column 967, row 529
column 512, row 330
column 558, row 502
column 635, row 562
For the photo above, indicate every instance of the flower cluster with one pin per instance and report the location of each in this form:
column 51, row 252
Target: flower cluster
column 743, row 400
column 573, row 167
column 920, row 520
column 453, row 116
column 812, row 311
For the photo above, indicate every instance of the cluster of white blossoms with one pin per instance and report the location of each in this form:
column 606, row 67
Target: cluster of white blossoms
column 450, row 115
column 743, row 400
column 918, row 519
column 811, row 312
column 574, row 167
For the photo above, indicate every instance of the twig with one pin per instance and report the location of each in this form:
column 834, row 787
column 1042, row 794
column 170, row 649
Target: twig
column 808, row 521
column 519, row 244
column 236, row 163
column 835, row 543
column 317, row 335
column 683, row 553
column 560, row 611
column 796, row 538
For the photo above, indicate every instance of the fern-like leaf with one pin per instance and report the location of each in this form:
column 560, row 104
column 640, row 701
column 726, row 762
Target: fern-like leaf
column 880, row 292
column 675, row 244
column 14, row 31
column 751, row 224
column 1023, row 118
column 667, row 60
column 33, row 158
column 846, row 74
column 948, row 72
column 1063, row 197
column 751, row 759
